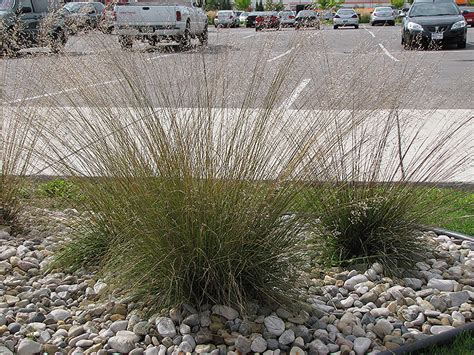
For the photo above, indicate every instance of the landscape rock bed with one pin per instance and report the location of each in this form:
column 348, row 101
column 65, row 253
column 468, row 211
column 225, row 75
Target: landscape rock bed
column 346, row 312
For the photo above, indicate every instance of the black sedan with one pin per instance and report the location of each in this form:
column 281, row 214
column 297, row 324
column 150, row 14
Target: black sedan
column 434, row 23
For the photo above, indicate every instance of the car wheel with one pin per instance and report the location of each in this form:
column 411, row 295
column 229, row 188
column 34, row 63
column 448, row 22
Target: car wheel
column 372, row 24
column 335, row 27
column 356, row 27
column 462, row 45
column 203, row 37
column 185, row 40
column 126, row 42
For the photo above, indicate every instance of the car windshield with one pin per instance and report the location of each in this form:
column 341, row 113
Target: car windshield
column 78, row 7
column 383, row 9
column 346, row 12
column 433, row 9
column 468, row 9
column 306, row 13
column 244, row 14
column 224, row 13
column 6, row 4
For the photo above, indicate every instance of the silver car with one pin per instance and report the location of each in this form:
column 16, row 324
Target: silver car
column 383, row 15
column 226, row 18
column 287, row 18
column 345, row 17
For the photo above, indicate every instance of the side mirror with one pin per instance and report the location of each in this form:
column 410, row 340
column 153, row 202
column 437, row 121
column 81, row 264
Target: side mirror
column 465, row 12
column 25, row 10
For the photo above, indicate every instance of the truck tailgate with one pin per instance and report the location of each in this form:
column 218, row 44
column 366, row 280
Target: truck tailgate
column 146, row 15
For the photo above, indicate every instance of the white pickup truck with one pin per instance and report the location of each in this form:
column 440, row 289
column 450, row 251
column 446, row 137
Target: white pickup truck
column 153, row 21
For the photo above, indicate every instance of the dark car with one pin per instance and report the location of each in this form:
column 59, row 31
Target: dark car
column 83, row 15
column 468, row 13
column 252, row 17
column 307, row 18
column 434, row 23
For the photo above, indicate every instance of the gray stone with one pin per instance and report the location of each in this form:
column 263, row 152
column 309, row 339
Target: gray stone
column 184, row 329
column 204, row 348
column 224, row 311
column 287, row 337
column 458, row 298
column 60, row 314
column 349, row 284
column 382, row 328
column 274, row 325
column 141, row 328
column 123, row 342
column 361, row 345
column 185, row 347
column 467, row 244
column 4, row 267
column 136, row 351
column 243, row 344
column 152, row 351
column 165, row 327
column 7, row 253
column 85, row 343
column 380, row 312
column 442, row 285
column 368, row 297
column 259, row 345
column 438, row 303
column 119, row 325
column 192, row 320
column 3, row 319
column 378, row 268
column 318, row 347
column 297, row 351
column 413, row 283
column 28, row 347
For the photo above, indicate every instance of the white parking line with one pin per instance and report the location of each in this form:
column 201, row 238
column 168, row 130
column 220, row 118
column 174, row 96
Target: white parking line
column 281, row 55
column 294, row 95
column 249, row 36
column 63, row 91
column 158, row 56
column 371, row 33
column 388, row 53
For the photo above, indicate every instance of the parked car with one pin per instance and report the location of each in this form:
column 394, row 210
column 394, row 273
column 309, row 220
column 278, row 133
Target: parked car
column 382, row 15
column 307, row 18
column 468, row 13
column 243, row 18
column 434, row 22
column 157, row 21
column 226, row 18
column 328, row 15
column 31, row 23
column 83, row 15
column 252, row 17
column 266, row 20
column 287, row 18
column 346, row 17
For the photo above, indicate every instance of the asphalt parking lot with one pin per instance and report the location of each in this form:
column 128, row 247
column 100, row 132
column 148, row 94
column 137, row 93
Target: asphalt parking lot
column 372, row 56
column 346, row 69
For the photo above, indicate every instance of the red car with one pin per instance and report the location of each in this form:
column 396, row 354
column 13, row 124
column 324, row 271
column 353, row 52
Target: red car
column 468, row 13
column 267, row 20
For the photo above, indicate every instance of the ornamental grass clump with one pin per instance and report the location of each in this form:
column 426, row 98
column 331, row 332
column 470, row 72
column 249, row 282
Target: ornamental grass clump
column 189, row 181
column 371, row 207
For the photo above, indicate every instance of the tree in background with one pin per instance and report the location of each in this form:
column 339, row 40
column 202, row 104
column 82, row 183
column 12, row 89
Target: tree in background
column 397, row 3
column 212, row 5
column 279, row 6
column 242, row 4
column 259, row 6
column 269, row 5
column 330, row 4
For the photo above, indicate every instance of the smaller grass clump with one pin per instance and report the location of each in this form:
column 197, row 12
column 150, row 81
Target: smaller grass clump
column 362, row 224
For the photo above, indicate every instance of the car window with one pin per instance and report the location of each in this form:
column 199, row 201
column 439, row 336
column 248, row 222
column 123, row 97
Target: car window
column 99, row 7
column 25, row 3
column 433, row 9
column 6, row 4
